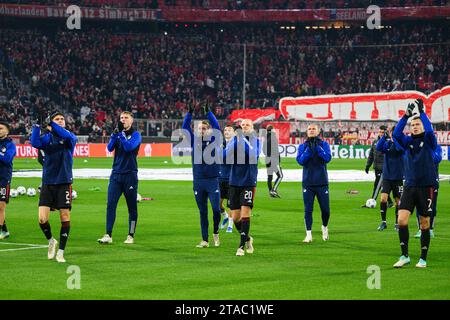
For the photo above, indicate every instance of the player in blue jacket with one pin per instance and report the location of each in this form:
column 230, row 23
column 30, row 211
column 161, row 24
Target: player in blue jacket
column 437, row 158
column 125, row 141
column 420, row 180
column 205, row 170
column 313, row 155
column 56, row 192
column 392, row 176
column 243, row 152
column 224, row 181
column 7, row 154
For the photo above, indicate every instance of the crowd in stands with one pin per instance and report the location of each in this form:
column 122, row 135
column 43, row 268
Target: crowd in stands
column 156, row 75
column 236, row 4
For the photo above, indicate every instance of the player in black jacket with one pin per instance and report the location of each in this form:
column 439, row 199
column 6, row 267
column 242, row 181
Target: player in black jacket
column 273, row 161
column 377, row 159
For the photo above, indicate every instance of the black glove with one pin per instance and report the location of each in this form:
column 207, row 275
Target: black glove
column 409, row 110
column 190, row 108
column 116, row 131
column 312, row 144
column 206, row 108
column 35, row 122
column 120, row 126
column 386, row 135
column 48, row 121
column 367, row 170
column 419, row 103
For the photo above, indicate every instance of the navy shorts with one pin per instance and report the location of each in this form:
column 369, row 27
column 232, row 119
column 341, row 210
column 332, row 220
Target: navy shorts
column 56, row 196
column 421, row 198
column 241, row 196
column 224, row 189
column 4, row 192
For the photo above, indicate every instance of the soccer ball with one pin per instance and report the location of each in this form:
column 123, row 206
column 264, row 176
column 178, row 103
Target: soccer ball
column 139, row 198
column 371, row 203
column 21, row 190
column 13, row 193
column 31, row 192
column 74, row 195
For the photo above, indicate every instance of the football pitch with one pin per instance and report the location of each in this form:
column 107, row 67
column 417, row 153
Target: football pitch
column 165, row 264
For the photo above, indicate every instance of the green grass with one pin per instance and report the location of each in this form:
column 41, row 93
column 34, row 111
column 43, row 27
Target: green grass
column 166, row 162
column 164, row 263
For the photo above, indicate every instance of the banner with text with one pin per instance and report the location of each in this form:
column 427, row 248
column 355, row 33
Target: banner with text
column 40, row 11
column 223, row 15
column 337, row 151
column 99, row 150
column 365, row 106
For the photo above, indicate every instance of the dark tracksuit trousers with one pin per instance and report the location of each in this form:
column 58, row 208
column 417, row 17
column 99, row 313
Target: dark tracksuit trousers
column 126, row 184
column 205, row 189
column 323, row 196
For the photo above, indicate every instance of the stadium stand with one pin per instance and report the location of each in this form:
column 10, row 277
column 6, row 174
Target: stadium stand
column 236, row 4
column 157, row 72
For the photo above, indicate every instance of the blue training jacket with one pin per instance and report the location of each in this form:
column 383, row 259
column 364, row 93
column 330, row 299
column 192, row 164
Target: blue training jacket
column 313, row 155
column 7, row 154
column 58, row 146
column 393, row 158
column 201, row 169
column 420, row 169
column 243, row 152
column 225, row 170
column 126, row 145
column 437, row 158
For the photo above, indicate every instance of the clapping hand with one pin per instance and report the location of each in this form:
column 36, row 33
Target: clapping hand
column 409, row 110
column 420, row 106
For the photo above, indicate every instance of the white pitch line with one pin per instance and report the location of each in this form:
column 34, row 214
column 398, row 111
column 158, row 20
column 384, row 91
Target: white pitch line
column 29, row 248
column 185, row 174
column 23, row 244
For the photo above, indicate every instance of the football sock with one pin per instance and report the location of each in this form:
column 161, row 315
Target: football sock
column 238, row 225
column 244, row 231
column 269, row 181
column 216, row 222
column 4, row 228
column 431, row 223
column 230, row 222
column 396, row 215
column 64, row 234
column 424, row 243
column 309, row 233
column 131, row 227
column 383, row 207
column 45, row 227
column 389, row 200
column 403, row 233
